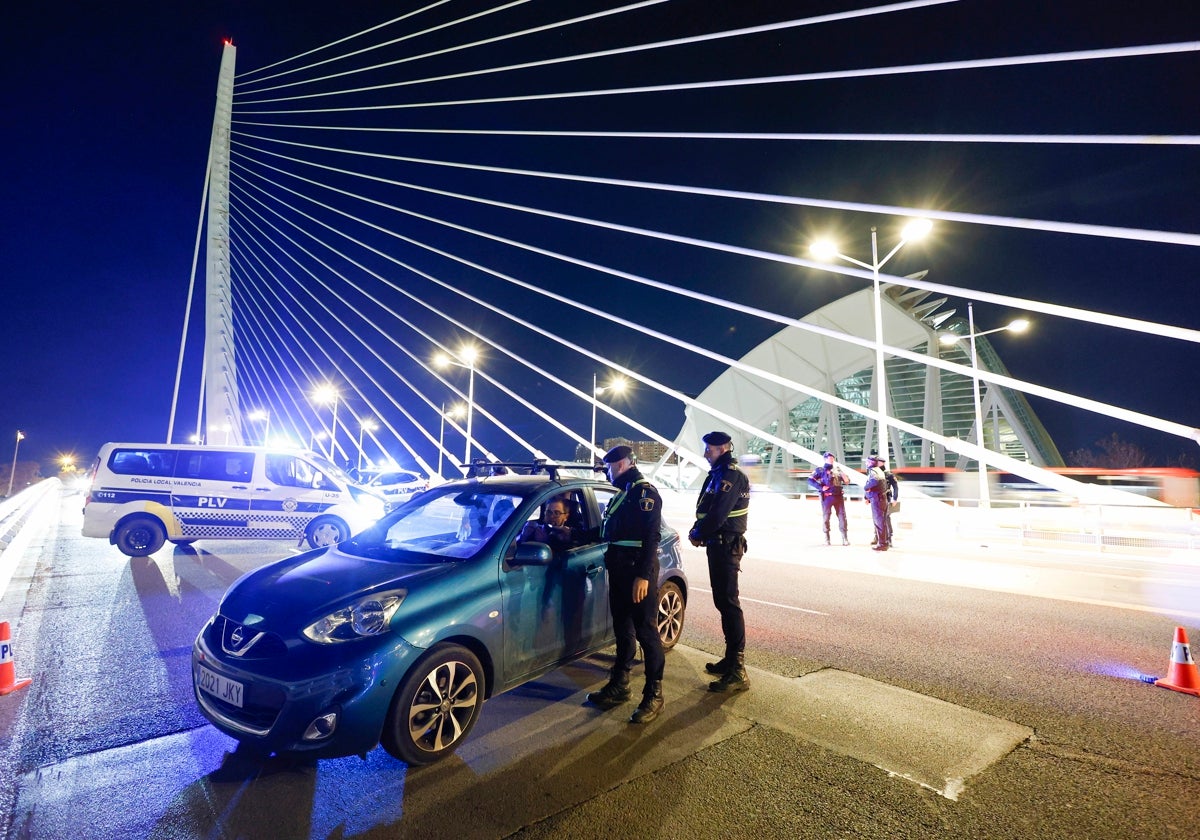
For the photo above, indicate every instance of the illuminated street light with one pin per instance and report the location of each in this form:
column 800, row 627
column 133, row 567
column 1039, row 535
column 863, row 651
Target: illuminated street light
column 1018, row 325
column 456, row 411
column 826, row 251
column 616, row 385
column 13, row 473
column 324, row 395
column 367, row 425
column 467, row 356
column 264, row 415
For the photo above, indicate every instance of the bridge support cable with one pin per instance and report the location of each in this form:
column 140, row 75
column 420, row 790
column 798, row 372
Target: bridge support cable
column 285, row 287
column 280, row 305
column 499, row 385
column 556, row 26
column 491, row 342
column 790, row 78
column 1062, row 311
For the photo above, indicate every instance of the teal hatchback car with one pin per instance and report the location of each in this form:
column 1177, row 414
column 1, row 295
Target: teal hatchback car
column 398, row 634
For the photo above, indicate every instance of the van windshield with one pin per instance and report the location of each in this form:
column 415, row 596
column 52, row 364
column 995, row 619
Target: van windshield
column 329, row 468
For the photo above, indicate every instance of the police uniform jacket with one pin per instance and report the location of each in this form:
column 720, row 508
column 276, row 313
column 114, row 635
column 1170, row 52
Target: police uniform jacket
column 633, row 523
column 828, row 480
column 724, row 501
column 877, row 484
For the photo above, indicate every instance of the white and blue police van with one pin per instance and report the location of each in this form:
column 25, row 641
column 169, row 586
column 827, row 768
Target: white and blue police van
column 145, row 494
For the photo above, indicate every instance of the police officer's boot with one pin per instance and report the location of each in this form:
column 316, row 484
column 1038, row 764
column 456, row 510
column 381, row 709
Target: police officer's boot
column 614, row 693
column 720, row 666
column 734, row 679
column 651, row 705
column 826, row 536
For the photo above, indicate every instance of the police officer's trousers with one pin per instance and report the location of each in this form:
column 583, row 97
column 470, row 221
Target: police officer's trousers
column 724, row 565
column 635, row 624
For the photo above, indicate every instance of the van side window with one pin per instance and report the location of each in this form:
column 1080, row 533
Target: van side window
column 215, row 465
column 289, row 471
column 159, row 462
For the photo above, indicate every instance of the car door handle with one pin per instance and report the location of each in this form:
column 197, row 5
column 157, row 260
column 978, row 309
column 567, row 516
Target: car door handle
column 593, row 570
column 262, row 489
column 240, row 487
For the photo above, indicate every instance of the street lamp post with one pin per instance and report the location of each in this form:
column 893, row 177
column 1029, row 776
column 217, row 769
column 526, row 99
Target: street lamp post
column 264, row 415
column 367, row 425
column 1017, row 325
column 468, row 356
column 314, row 437
column 323, row 395
column 617, row 385
column 454, row 412
column 13, row 472
column 826, row 250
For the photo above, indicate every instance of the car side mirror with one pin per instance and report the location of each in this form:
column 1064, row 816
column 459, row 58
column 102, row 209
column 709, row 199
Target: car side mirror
column 532, row 554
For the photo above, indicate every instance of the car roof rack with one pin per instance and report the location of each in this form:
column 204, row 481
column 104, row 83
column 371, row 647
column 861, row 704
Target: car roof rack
column 479, row 468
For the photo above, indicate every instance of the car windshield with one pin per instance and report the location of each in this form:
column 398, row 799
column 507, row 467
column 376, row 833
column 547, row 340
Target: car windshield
column 452, row 524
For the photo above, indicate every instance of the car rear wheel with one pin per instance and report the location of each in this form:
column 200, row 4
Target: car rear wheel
column 670, row 614
column 326, row 531
column 140, row 536
column 436, row 706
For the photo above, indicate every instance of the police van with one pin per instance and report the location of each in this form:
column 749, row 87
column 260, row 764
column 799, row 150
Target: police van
column 144, row 494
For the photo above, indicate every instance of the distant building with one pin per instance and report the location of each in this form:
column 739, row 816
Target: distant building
column 645, row 451
column 919, row 394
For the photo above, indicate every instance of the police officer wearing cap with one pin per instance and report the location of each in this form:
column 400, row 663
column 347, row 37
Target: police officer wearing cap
column 632, row 526
column 876, row 490
column 721, row 513
column 829, row 480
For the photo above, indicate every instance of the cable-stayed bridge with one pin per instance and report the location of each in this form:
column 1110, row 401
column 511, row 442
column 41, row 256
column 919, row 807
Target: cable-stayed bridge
column 549, row 200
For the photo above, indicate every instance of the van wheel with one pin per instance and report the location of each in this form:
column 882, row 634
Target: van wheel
column 325, row 531
column 182, row 542
column 435, row 707
column 140, row 536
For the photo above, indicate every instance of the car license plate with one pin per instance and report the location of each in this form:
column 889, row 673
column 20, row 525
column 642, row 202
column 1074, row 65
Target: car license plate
column 220, row 687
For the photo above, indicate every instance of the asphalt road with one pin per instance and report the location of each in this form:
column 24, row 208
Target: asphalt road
column 883, row 705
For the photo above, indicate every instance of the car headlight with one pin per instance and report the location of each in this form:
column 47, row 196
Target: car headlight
column 367, row 617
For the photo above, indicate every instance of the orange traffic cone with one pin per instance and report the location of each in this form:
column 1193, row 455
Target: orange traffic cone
column 1183, row 674
column 8, row 681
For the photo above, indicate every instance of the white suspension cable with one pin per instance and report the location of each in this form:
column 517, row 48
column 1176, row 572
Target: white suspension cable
column 299, row 56
column 557, row 25
column 793, row 136
column 1108, row 231
column 673, row 42
column 1062, row 311
column 827, row 75
column 1098, row 407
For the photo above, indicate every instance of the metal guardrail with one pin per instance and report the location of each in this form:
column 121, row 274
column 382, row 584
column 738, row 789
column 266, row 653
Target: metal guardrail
column 15, row 510
column 1099, row 528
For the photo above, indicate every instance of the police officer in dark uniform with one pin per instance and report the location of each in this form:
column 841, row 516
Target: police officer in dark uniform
column 632, row 528
column 876, row 492
column 721, row 513
column 830, row 480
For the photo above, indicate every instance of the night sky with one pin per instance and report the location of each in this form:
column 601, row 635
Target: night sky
column 109, row 108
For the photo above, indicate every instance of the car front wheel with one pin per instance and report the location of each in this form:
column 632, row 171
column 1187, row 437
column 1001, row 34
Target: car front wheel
column 140, row 536
column 326, row 531
column 670, row 614
column 436, row 706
